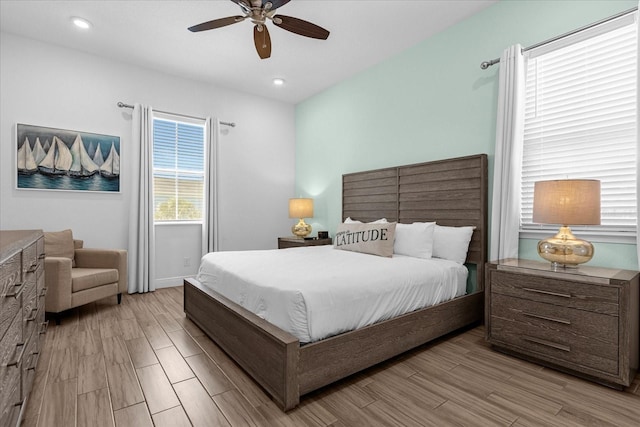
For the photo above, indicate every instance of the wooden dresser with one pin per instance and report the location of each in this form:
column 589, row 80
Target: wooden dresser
column 583, row 321
column 22, row 324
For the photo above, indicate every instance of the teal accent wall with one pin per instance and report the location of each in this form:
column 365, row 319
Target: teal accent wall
column 430, row 102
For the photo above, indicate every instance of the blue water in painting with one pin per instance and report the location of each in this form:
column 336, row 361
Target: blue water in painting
column 95, row 182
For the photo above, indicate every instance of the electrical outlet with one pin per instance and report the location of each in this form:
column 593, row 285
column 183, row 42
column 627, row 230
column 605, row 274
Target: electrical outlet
column 187, row 262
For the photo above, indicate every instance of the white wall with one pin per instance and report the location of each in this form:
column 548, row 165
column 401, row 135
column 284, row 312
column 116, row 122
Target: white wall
column 50, row 86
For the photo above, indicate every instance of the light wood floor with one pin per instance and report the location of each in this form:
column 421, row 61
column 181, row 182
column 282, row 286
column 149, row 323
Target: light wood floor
column 143, row 363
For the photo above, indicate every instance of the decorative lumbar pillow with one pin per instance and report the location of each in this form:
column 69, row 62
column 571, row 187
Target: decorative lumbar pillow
column 374, row 239
column 414, row 240
column 59, row 244
column 451, row 243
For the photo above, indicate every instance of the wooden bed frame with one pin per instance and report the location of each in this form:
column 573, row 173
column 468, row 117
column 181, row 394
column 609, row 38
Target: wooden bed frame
column 451, row 192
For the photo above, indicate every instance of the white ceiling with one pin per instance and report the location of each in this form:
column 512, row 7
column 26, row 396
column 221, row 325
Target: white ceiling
column 153, row 34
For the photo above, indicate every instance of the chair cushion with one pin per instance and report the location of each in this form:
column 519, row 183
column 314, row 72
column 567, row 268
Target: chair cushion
column 59, row 244
column 87, row 278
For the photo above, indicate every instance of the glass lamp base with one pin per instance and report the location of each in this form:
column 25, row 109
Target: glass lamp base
column 301, row 229
column 565, row 250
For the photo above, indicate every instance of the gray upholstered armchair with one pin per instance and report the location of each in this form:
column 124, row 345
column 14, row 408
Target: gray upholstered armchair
column 75, row 275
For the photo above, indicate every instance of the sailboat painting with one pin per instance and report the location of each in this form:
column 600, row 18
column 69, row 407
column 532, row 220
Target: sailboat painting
column 67, row 160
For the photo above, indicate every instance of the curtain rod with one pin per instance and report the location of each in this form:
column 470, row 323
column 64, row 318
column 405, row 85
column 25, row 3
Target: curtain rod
column 486, row 64
column 123, row 105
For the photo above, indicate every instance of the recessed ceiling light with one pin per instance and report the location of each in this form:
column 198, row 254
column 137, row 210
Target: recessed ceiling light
column 278, row 81
column 81, row 22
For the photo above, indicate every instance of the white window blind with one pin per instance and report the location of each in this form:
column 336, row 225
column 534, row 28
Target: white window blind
column 178, row 170
column 580, row 121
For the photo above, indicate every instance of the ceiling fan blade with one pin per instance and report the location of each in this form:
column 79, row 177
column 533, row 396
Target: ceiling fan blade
column 300, row 27
column 262, row 40
column 216, row 23
column 244, row 4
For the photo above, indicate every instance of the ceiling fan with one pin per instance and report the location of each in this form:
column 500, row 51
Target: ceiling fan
column 258, row 11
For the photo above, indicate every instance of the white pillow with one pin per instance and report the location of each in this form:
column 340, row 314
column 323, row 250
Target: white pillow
column 355, row 221
column 380, row 221
column 414, row 240
column 374, row 239
column 451, row 243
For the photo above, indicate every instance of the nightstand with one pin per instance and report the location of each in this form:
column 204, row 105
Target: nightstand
column 583, row 321
column 297, row 242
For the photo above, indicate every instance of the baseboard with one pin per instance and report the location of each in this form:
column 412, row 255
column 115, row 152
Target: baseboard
column 170, row 282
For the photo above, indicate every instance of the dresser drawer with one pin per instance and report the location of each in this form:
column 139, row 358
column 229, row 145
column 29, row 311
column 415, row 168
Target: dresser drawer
column 553, row 321
column 30, row 258
column 10, row 307
column 29, row 362
column 40, row 248
column 40, row 285
column 10, row 414
column 10, row 274
column 29, row 305
column 561, row 349
column 565, row 293
column 42, row 326
column 11, row 353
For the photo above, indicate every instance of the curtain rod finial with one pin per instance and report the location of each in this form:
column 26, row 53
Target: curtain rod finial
column 484, row 65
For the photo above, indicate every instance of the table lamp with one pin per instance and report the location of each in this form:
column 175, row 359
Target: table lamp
column 301, row 208
column 566, row 202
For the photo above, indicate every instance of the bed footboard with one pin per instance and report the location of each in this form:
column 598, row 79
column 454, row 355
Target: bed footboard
column 329, row 360
column 265, row 352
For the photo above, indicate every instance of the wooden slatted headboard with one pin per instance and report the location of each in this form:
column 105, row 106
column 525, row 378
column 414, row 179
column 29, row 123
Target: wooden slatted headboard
column 450, row 192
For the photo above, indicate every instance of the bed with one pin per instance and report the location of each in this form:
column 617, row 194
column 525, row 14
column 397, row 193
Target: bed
column 452, row 192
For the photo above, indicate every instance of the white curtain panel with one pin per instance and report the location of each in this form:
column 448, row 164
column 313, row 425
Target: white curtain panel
column 141, row 228
column 210, row 224
column 505, row 216
column 638, row 134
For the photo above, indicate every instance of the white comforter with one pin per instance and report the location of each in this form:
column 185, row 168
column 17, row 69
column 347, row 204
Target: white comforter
column 318, row 291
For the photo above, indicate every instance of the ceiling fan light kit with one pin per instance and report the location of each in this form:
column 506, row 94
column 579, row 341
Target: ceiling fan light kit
column 259, row 11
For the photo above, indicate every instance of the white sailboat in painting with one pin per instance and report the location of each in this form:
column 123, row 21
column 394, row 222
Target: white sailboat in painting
column 26, row 164
column 82, row 165
column 39, row 152
column 98, row 159
column 111, row 166
column 58, row 159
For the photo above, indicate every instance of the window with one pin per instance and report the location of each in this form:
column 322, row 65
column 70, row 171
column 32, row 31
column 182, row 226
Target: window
column 580, row 121
column 178, row 170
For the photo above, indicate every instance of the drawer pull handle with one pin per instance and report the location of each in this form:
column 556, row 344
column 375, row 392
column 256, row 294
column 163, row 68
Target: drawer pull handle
column 548, row 343
column 34, row 314
column 45, row 326
column 33, row 267
column 14, row 294
column 43, row 292
column 19, row 358
column 540, row 291
column 35, row 364
column 16, row 290
column 551, row 319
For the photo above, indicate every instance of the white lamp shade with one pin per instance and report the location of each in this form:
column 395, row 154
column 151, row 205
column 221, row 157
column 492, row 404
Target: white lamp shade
column 300, row 208
column 567, row 202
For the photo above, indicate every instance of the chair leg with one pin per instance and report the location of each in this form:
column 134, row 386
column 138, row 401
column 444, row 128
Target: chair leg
column 119, row 298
